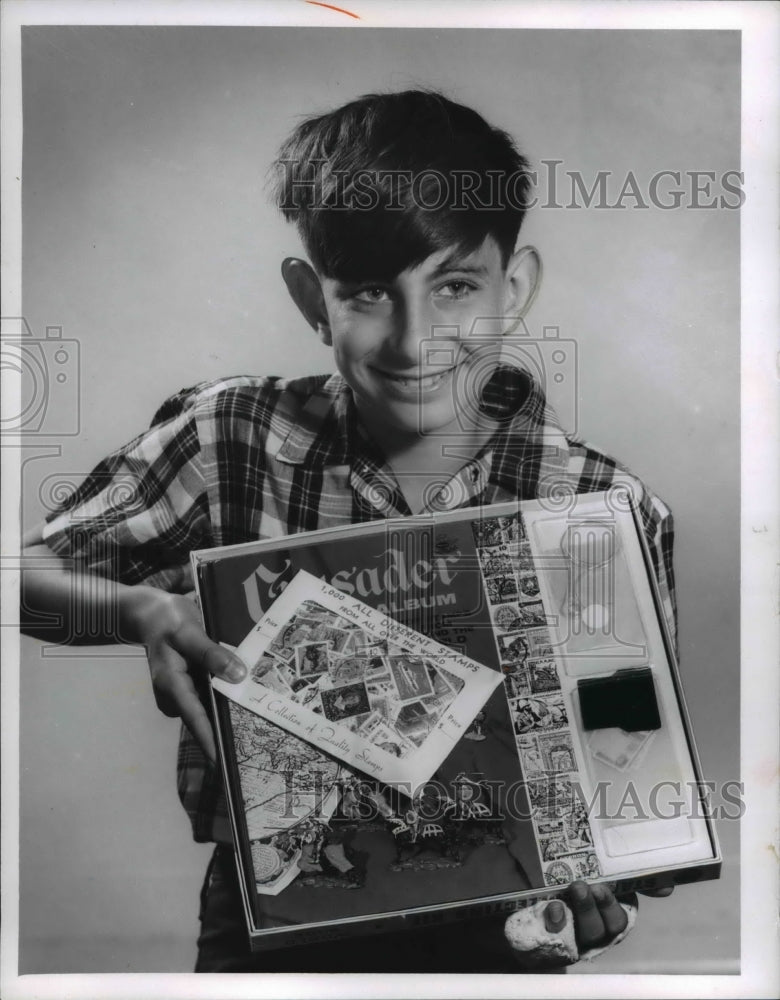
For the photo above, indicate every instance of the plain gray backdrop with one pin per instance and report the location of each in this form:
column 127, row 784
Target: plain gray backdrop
column 148, row 238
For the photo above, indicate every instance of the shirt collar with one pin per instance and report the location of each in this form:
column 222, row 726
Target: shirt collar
column 325, row 430
column 530, row 448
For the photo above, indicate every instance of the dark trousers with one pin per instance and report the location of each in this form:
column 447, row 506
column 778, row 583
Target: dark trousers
column 223, row 944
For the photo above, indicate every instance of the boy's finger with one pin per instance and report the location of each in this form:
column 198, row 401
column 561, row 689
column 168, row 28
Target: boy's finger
column 661, row 893
column 612, row 913
column 176, row 697
column 198, row 650
column 170, row 680
column 588, row 923
column 182, row 701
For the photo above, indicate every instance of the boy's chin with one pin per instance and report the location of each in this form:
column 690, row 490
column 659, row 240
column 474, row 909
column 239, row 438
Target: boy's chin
column 421, row 424
column 417, row 418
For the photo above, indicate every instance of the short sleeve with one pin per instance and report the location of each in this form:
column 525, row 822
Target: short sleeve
column 658, row 523
column 141, row 511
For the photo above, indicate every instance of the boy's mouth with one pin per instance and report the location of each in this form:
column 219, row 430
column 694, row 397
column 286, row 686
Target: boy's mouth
column 416, row 380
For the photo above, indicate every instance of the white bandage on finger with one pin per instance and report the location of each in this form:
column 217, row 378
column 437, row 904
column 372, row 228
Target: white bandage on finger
column 537, row 948
column 533, row 945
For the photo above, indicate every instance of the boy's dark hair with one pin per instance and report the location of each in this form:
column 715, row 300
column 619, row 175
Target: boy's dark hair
column 380, row 184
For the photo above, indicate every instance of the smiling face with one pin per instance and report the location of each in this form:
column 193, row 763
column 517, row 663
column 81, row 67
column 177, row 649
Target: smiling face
column 417, row 350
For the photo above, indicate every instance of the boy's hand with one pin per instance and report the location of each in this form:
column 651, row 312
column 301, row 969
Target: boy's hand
column 177, row 648
column 546, row 937
column 598, row 916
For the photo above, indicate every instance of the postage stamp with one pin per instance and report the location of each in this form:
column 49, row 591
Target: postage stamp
column 557, row 751
column 379, row 703
column 344, row 702
column 517, row 683
column 411, row 677
column 354, row 722
column 539, row 643
column 513, row 648
column 512, row 528
column 506, row 617
column 578, row 828
column 529, row 583
column 552, row 838
column 441, row 689
column 311, row 658
column 346, row 669
column 376, row 664
column 265, row 672
column 414, row 721
column 558, row 873
column 582, row 865
column 495, row 561
column 501, row 589
column 532, row 614
column 530, row 756
column 543, row 676
column 306, row 692
column 291, row 635
column 377, row 731
column 525, row 559
column 544, row 712
column 551, row 797
column 337, row 638
column 487, row 532
column 456, row 683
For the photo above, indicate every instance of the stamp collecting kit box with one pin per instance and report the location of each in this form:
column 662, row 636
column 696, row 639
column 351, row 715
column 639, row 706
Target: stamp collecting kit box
column 450, row 714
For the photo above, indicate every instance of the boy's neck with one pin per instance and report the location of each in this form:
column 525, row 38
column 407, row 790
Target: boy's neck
column 420, row 461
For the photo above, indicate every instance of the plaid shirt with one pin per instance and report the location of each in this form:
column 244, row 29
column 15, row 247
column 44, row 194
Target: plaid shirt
column 244, row 458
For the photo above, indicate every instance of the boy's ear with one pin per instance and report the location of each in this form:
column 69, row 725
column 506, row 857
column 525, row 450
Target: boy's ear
column 522, row 281
column 306, row 292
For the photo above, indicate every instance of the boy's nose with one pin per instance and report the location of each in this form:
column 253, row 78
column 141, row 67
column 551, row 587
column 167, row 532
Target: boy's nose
column 413, row 328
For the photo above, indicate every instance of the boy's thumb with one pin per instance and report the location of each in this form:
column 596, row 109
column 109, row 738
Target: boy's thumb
column 225, row 664
column 234, row 669
column 555, row 916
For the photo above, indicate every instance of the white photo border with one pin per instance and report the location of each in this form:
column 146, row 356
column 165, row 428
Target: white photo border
column 759, row 533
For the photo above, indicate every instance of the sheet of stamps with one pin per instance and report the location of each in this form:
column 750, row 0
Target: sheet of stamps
column 354, row 683
column 536, row 706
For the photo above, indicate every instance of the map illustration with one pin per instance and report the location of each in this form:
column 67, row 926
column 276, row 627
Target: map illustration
column 283, row 779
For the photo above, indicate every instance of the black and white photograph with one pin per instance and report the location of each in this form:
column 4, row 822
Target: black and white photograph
column 276, row 267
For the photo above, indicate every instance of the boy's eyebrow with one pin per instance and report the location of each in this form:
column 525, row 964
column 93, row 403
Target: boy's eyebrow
column 451, row 263
column 456, row 263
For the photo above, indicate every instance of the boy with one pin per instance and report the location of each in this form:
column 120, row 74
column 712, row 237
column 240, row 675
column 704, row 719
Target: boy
column 409, row 207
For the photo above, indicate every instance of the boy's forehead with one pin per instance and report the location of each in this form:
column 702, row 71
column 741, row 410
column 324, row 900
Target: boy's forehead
column 483, row 260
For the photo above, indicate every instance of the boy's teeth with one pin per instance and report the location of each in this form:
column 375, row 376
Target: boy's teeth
column 424, row 381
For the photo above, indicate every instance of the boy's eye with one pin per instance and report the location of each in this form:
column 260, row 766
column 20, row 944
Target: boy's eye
column 371, row 294
column 457, row 289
